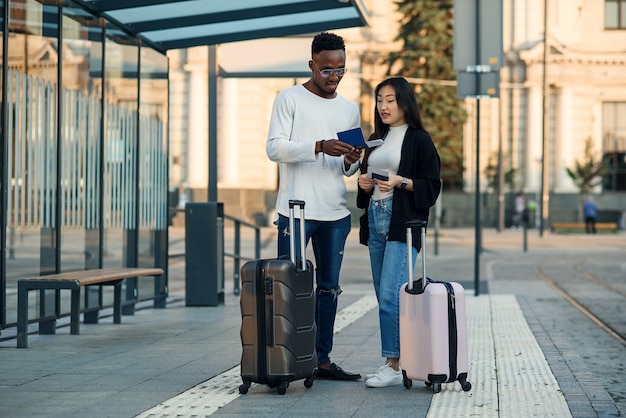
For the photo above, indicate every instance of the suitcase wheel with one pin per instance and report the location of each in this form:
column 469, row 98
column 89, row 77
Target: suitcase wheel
column 308, row 382
column 406, row 381
column 282, row 388
column 243, row 389
column 436, row 386
column 466, row 386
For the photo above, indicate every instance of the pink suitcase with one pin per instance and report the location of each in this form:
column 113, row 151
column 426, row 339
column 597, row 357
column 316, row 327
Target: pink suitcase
column 433, row 327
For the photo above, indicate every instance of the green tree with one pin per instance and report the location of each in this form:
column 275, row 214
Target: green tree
column 491, row 172
column 587, row 174
column 427, row 35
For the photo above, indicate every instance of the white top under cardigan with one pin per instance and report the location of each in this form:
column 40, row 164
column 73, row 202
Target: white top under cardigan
column 299, row 119
column 387, row 156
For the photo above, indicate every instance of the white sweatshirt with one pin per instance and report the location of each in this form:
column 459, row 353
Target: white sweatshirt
column 299, row 119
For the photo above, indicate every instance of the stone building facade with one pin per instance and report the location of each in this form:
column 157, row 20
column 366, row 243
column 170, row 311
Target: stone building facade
column 586, row 95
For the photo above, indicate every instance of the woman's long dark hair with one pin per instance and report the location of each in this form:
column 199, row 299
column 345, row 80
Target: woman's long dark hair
column 405, row 96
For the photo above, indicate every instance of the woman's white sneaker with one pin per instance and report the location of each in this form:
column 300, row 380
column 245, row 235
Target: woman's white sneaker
column 384, row 376
column 370, row 375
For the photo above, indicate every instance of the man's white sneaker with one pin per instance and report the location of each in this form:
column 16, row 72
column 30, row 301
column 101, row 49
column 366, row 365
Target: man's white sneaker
column 385, row 376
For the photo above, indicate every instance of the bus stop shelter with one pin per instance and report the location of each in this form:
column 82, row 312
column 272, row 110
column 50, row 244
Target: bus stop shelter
column 167, row 24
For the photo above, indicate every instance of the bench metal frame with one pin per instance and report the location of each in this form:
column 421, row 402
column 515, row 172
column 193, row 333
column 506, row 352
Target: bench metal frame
column 74, row 281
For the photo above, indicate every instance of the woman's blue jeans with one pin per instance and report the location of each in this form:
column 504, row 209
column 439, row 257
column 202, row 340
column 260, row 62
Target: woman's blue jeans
column 389, row 271
column 329, row 240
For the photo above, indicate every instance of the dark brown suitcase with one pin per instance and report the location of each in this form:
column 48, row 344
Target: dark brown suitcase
column 278, row 317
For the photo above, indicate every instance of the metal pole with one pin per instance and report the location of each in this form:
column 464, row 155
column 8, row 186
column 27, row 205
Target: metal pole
column 500, row 180
column 545, row 160
column 478, row 244
column 4, row 174
column 212, row 175
column 237, row 258
column 437, row 222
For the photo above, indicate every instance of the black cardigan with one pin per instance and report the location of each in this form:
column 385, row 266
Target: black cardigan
column 420, row 162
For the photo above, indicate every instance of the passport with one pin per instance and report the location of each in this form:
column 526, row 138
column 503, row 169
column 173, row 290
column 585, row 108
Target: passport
column 377, row 173
column 355, row 138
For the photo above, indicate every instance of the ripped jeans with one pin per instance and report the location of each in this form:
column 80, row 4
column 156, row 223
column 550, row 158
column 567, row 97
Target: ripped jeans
column 328, row 239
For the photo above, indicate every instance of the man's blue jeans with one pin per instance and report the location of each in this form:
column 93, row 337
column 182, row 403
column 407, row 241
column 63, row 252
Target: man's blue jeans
column 328, row 239
column 389, row 271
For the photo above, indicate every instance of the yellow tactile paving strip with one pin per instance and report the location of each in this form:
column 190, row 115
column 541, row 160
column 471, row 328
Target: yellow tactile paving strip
column 509, row 374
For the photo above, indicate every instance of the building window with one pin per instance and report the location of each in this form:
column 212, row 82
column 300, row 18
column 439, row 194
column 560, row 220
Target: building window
column 615, row 14
column 614, row 145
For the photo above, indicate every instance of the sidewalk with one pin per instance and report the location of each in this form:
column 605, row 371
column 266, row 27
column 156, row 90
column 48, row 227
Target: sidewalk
column 183, row 361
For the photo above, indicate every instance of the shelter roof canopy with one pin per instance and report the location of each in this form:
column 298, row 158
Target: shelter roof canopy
column 173, row 24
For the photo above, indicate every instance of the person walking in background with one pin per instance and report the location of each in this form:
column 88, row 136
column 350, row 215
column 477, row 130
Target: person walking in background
column 411, row 189
column 590, row 212
column 518, row 211
column 312, row 165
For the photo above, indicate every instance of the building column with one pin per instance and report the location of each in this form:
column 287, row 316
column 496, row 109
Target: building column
column 534, row 134
column 228, row 138
column 563, row 142
column 178, row 120
column 197, row 168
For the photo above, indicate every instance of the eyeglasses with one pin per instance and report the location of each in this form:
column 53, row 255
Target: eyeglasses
column 329, row 71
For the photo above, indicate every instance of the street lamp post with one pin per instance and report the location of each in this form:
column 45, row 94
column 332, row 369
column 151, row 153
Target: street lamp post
column 545, row 192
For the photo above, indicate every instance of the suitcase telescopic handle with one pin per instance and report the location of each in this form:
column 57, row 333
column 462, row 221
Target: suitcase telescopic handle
column 292, row 239
column 409, row 245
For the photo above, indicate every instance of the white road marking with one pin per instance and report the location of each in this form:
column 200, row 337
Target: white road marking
column 207, row 397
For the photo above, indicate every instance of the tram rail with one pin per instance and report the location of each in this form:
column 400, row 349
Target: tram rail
column 579, row 305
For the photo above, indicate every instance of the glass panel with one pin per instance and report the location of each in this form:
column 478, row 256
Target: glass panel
column 80, row 142
column 82, row 93
column 614, row 144
column 611, row 14
column 614, row 126
column 153, row 168
column 31, row 129
column 120, row 144
column 120, row 156
column 608, row 125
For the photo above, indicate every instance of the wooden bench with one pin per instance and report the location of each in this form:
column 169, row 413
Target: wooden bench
column 607, row 226
column 74, row 281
